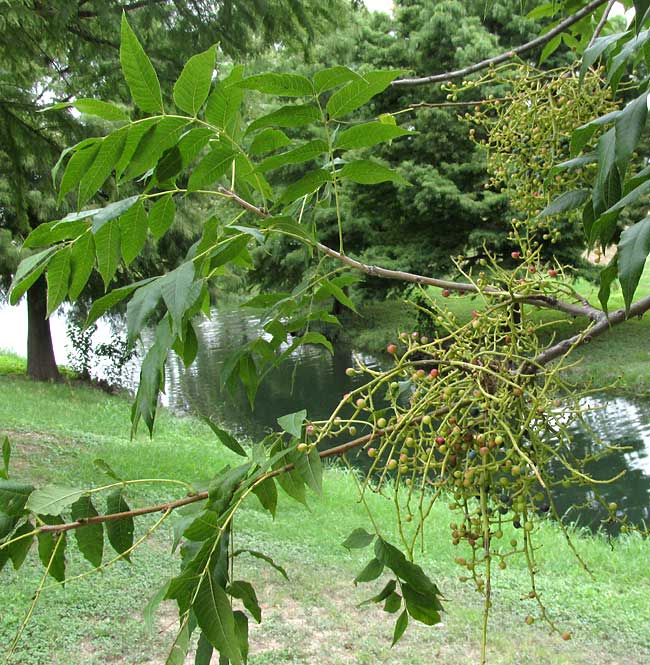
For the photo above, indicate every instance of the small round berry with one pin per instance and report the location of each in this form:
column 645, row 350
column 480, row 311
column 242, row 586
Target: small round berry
column 446, row 293
column 391, row 348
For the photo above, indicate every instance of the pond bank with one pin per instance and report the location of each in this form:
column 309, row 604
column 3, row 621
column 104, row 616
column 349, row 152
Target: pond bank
column 313, row 618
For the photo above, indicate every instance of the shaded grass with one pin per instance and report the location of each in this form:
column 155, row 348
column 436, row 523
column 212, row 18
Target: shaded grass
column 57, row 432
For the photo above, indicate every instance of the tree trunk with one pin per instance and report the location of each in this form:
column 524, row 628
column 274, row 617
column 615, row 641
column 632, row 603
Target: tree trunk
column 41, row 364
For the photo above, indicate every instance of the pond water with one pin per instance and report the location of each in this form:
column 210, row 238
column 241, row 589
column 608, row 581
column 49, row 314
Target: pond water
column 315, row 380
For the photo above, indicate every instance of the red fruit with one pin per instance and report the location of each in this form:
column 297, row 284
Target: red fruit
column 552, row 273
column 484, row 450
column 433, row 373
column 440, row 440
column 515, row 255
column 446, row 293
column 532, row 269
column 420, row 373
column 310, row 429
column 391, row 348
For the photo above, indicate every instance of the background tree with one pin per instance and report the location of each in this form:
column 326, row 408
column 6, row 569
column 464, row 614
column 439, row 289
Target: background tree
column 67, row 50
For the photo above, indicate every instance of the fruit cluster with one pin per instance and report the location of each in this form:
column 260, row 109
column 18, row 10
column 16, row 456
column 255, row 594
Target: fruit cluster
column 470, row 417
column 527, row 133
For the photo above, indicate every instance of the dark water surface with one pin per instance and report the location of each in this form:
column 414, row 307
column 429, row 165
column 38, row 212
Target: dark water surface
column 315, row 380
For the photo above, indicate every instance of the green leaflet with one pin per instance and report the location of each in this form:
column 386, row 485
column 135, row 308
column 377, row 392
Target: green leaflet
column 139, row 73
column 82, row 260
column 303, row 153
column 169, row 165
column 267, row 493
column 420, row 606
column 179, row 292
column 193, row 85
column 90, row 538
column 215, row 617
column 297, row 115
column 283, row 85
column 308, row 184
column 633, row 250
column 310, row 467
column 159, row 137
column 141, row 307
column 368, row 135
column 332, row 77
column 367, row 172
column 223, row 105
column 373, row 569
column 400, row 626
column 607, row 276
column 151, row 376
column 263, row 557
column 133, row 232
column 359, row 91
column 19, row 549
column 98, row 170
column 292, row 423
column 100, row 109
column 13, row 497
column 77, row 167
column 111, row 211
column 58, row 279
column 226, row 438
column 29, row 270
column 51, row 551
column 268, row 140
column 161, row 215
column 53, row 232
column 358, row 539
column 107, row 249
column 246, row 593
column 214, row 165
column 120, row 532
column 52, row 500
column 104, row 303
column 566, row 202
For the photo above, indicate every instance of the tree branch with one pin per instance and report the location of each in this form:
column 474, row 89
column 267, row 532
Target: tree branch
column 507, row 55
column 601, row 23
column 201, row 496
column 543, row 301
column 601, row 326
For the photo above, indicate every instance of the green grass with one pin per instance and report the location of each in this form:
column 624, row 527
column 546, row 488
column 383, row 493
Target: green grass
column 618, row 360
column 58, row 430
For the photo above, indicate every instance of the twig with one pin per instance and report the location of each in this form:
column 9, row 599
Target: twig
column 601, row 23
column 507, row 55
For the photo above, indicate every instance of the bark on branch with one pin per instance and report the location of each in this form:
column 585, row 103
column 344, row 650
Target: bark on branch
column 506, row 55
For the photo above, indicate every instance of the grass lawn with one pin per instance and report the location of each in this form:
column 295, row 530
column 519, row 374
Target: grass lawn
column 58, row 430
column 619, row 359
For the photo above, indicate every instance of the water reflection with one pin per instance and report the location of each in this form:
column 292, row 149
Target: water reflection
column 315, row 380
